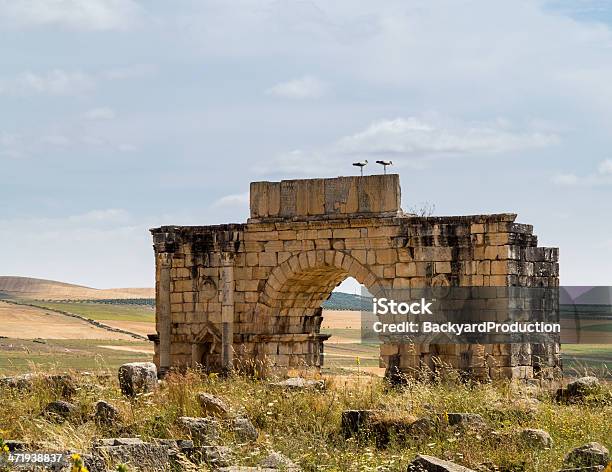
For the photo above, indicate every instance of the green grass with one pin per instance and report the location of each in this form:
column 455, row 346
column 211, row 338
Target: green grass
column 101, row 311
column 605, row 327
column 18, row 355
column 305, row 425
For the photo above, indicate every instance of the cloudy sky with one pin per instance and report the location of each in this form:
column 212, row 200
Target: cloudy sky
column 120, row 115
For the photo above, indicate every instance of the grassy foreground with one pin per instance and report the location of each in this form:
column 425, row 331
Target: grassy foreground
column 305, row 425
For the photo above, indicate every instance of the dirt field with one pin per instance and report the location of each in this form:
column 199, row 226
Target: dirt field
column 26, row 322
column 141, row 350
column 341, row 319
column 139, row 327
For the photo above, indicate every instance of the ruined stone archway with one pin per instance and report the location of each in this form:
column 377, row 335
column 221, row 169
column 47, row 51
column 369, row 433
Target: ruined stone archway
column 290, row 303
column 259, row 284
column 305, row 280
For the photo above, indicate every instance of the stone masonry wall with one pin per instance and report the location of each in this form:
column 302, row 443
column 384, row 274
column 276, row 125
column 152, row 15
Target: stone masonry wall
column 260, row 285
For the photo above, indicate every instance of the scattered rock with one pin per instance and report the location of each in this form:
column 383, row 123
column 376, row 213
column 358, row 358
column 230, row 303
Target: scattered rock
column 578, row 389
column 299, row 383
column 536, row 438
column 62, row 384
column 244, row 430
column 217, row 456
column 277, row 461
column 205, row 431
column 59, row 410
column 213, row 406
column 422, row 428
column 354, row 421
column 591, row 454
column 583, row 386
column 118, row 442
column 137, row 378
column 424, row 463
column 106, row 413
column 20, row 382
column 466, row 420
column 138, row 456
column 385, row 429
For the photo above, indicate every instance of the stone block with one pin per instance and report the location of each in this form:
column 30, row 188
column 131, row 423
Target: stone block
column 386, row 256
column 406, row 269
column 268, row 259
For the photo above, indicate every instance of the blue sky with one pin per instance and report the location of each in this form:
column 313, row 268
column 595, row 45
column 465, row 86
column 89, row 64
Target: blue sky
column 120, row 115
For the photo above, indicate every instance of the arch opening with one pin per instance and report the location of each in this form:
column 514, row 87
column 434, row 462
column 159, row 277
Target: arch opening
column 295, row 297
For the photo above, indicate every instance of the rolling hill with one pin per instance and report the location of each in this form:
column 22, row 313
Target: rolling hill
column 30, row 288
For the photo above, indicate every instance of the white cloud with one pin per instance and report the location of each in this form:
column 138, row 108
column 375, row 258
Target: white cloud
column 233, row 200
column 410, row 142
column 565, row 179
column 102, row 113
column 94, row 15
column 133, row 71
column 56, row 140
column 299, row 89
column 10, row 146
column 605, row 167
column 53, row 82
column 415, row 137
column 109, row 215
column 603, row 176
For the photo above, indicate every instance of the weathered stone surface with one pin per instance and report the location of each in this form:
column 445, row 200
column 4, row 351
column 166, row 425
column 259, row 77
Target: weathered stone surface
column 62, row 384
column 106, row 413
column 583, row 386
column 215, row 456
column 244, row 430
column 204, row 431
column 276, row 461
column 354, row 421
column 590, row 454
column 213, row 406
column 137, row 378
column 60, row 410
column 138, row 456
column 117, row 442
column 299, row 383
column 424, row 463
column 422, row 428
column 264, row 281
column 536, row 438
column 466, row 420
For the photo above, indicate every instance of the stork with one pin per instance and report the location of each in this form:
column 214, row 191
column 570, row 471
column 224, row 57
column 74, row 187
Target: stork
column 385, row 164
column 361, row 165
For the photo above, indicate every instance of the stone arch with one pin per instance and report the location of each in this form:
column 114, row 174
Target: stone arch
column 298, row 286
column 261, row 283
column 326, row 268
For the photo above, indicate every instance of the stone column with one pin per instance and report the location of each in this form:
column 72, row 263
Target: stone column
column 163, row 311
column 227, row 312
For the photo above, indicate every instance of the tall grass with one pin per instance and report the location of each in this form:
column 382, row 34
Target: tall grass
column 306, row 425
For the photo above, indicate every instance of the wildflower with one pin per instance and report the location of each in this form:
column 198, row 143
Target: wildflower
column 77, row 464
